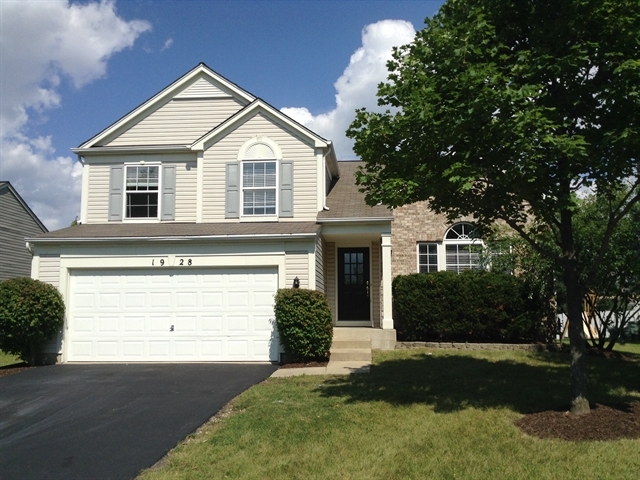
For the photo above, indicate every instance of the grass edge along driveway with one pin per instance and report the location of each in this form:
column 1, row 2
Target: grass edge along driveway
column 418, row 414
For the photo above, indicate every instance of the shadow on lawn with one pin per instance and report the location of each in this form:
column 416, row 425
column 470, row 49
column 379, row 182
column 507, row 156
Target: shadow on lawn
column 454, row 382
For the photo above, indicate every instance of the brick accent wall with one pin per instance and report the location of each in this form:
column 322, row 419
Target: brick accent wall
column 412, row 224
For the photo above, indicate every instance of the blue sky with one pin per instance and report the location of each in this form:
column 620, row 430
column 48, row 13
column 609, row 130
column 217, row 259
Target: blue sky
column 70, row 69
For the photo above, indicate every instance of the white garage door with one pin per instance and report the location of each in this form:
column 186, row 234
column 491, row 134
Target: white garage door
column 172, row 315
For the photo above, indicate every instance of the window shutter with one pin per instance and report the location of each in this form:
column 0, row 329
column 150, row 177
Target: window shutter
column 168, row 192
column 116, row 184
column 232, row 198
column 286, row 189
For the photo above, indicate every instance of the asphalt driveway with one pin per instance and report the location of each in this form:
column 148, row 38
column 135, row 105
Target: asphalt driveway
column 108, row 421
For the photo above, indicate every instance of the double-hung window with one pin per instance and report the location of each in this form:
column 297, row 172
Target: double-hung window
column 142, row 182
column 259, row 183
column 427, row 257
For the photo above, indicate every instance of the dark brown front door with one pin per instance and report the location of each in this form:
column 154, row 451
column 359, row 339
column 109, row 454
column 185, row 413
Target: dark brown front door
column 353, row 284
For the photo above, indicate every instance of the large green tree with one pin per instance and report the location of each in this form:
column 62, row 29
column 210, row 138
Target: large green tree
column 503, row 109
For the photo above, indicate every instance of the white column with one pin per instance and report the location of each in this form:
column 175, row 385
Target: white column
column 387, row 311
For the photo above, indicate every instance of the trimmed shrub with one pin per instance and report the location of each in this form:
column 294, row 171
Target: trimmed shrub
column 304, row 323
column 31, row 312
column 474, row 306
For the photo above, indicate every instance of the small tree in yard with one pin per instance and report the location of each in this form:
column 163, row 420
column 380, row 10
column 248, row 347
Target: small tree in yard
column 31, row 312
column 504, row 109
column 614, row 296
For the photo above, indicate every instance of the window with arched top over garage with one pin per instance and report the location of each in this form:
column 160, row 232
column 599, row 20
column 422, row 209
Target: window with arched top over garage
column 462, row 247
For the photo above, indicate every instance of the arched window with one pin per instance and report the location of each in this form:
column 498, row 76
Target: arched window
column 462, row 247
column 259, row 157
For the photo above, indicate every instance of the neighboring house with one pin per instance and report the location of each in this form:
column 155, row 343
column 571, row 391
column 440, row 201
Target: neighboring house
column 17, row 221
column 196, row 207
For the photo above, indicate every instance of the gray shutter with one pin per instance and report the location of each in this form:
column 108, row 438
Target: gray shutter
column 232, row 198
column 168, row 192
column 286, row 189
column 116, row 184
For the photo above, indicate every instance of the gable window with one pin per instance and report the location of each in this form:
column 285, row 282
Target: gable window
column 141, row 186
column 462, row 248
column 259, row 188
column 427, row 257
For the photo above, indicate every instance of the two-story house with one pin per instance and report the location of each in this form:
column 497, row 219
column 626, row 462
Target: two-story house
column 196, row 207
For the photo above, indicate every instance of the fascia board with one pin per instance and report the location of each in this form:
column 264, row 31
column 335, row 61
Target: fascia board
column 132, row 150
column 198, row 238
column 257, row 106
column 164, row 96
column 356, row 220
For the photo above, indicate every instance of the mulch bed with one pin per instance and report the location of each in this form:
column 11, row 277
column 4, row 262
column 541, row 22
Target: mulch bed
column 603, row 423
column 15, row 368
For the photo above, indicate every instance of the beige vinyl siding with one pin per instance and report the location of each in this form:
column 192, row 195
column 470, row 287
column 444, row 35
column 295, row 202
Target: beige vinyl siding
column 98, row 194
column 49, row 270
column 293, row 149
column 201, row 88
column 330, row 282
column 179, row 122
column 296, row 264
column 320, row 264
column 186, row 191
column 15, row 224
column 376, row 291
column 100, row 172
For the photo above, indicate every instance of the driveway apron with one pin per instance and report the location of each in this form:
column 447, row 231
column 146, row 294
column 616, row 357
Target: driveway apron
column 108, row 421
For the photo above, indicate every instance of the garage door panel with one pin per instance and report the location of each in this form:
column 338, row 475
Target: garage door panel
column 216, row 315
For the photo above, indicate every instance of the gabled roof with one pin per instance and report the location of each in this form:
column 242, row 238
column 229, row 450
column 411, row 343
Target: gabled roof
column 255, row 107
column 7, row 185
column 135, row 115
column 346, row 202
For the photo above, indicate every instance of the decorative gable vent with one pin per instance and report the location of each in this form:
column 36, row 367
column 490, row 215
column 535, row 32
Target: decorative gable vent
column 259, row 150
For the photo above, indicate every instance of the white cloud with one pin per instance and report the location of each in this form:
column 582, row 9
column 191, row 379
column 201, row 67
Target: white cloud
column 358, row 84
column 42, row 43
column 167, row 44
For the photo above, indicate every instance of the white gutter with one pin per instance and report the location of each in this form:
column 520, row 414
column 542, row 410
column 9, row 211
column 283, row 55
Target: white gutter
column 356, row 220
column 266, row 236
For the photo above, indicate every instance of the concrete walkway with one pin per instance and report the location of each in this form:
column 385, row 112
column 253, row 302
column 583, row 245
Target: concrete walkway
column 332, row 368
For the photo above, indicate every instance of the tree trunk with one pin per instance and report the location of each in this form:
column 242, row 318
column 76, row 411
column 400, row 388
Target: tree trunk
column 577, row 339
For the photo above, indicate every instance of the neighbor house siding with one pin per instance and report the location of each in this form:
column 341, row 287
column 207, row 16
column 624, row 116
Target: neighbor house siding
column 293, row 149
column 15, row 224
column 297, row 265
column 49, row 269
column 376, row 291
column 330, row 280
column 320, row 286
column 179, row 122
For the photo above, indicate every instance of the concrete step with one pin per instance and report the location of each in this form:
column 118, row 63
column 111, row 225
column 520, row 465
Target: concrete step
column 351, row 355
column 351, row 333
column 357, row 343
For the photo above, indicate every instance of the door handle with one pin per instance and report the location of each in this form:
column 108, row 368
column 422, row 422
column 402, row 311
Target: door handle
column 367, row 288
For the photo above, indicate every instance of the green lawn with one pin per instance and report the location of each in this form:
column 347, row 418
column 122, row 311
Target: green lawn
column 416, row 415
column 7, row 359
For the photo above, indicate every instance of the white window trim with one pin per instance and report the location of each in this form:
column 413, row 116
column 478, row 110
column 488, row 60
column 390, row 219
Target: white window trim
column 261, row 217
column 241, row 158
column 438, row 254
column 457, row 241
column 155, row 219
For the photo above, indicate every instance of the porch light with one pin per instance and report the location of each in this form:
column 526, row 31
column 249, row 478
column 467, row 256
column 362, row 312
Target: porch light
column 296, row 282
